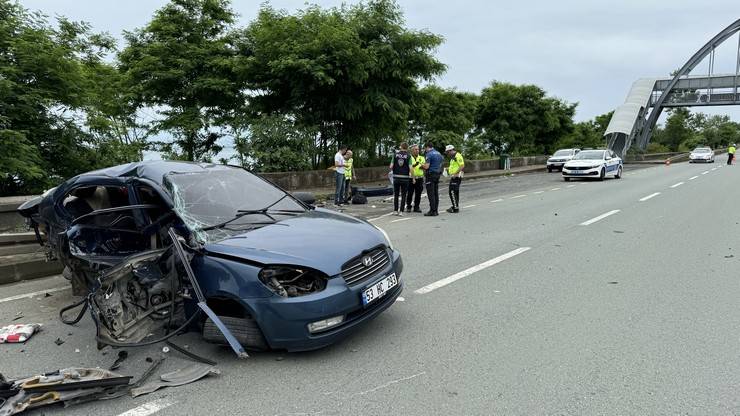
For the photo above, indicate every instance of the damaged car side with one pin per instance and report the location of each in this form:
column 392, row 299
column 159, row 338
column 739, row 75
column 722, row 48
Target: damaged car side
column 164, row 246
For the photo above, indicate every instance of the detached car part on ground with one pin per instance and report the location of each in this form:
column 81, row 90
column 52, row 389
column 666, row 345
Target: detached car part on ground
column 152, row 244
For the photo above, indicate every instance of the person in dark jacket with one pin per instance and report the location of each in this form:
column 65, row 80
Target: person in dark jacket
column 433, row 170
column 401, row 168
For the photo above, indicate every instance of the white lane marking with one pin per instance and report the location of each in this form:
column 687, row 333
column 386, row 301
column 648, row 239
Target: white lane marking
column 643, row 199
column 705, row 172
column 149, row 408
column 467, row 272
column 496, row 200
column 518, row 196
column 400, row 299
column 538, row 192
column 677, row 185
column 34, row 294
column 470, row 206
column 600, row 217
column 401, row 219
column 713, row 169
column 719, row 167
column 555, row 189
column 388, row 199
column 570, row 186
column 382, row 216
column 390, row 383
column 693, row 177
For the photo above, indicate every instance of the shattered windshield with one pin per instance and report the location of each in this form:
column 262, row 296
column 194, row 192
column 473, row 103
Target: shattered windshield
column 223, row 201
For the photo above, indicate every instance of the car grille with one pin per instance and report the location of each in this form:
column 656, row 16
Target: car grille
column 355, row 271
column 579, row 167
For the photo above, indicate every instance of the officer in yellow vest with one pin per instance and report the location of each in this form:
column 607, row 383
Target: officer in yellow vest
column 455, row 171
column 349, row 173
column 417, row 180
column 730, row 153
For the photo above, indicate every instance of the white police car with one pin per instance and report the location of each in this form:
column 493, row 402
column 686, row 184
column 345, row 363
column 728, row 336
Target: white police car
column 593, row 164
column 558, row 159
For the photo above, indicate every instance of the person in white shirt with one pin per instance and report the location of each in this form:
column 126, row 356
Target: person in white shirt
column 339, row 175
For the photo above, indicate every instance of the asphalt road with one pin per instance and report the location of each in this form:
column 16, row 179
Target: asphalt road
column 540, row 298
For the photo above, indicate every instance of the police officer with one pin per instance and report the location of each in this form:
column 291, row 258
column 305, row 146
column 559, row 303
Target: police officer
column 349, row 173
column 433, row 167
column 730, row 153
column 401, row 168
column 455, row 170
column 417, row 180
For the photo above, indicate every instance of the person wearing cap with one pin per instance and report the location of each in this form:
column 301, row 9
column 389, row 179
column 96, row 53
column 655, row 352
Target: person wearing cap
column 455, row 170
column 417, row 180
column 730, row 153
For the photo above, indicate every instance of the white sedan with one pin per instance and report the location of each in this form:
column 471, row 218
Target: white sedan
column 701, row 154
column 593, row 164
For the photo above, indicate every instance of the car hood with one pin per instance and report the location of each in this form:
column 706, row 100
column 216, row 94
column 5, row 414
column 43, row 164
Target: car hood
column 320, row 239
column 700, row 155
column 584, row 162
column 560, row 158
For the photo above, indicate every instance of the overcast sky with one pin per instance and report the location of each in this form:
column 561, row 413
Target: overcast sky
column 585, row 51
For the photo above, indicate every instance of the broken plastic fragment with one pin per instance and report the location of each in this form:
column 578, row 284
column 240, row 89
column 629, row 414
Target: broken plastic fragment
column 18, row 333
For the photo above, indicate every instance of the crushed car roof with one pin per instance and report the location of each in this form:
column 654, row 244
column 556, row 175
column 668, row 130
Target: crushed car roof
column 154, row 170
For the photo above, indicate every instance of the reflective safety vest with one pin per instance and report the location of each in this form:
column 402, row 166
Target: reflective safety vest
column 731, row 150
column 416, row 166
column 456, row 163
column 348, row 168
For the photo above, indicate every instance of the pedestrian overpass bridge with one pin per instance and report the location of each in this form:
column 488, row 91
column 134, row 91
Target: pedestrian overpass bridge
column 634, row 121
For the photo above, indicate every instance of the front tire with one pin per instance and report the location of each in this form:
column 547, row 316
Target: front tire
column 603, row 174
column 549, row 169
column 618, row 175
column 567, row 179
column 245, row 330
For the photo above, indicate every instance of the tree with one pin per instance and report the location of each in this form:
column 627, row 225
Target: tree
column 677, row 129
column 522, row 119
column 43, row 94
column 278, row 145
column 183, row 61
column 444, row 116
column 350, row 72
column 586, row 134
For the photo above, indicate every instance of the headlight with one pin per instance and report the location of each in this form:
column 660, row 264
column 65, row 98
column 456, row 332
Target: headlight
column 385, row 234
column 289, row 282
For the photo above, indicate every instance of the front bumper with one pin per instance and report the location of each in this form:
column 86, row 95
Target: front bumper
column 284, row 321
column 558, row 165
column 700, row 160
column 572, row 173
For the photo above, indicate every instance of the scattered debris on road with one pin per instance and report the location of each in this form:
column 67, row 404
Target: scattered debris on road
column 122, row 356
column 59, row 341
column 18, row 333
column 176, row 378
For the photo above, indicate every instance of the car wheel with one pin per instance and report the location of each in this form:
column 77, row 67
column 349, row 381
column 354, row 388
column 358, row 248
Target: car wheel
column 567, row 179
column 603, row 174
column 549, row 169
column 618, row 175
column 246, row 331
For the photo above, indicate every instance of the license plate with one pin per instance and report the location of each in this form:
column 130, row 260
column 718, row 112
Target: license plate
column 379, row 289
column 575, row 172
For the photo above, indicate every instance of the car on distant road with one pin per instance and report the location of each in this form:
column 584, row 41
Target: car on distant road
column 558, row 159
column 593, row 164
column 701, row 154
column 217, row 249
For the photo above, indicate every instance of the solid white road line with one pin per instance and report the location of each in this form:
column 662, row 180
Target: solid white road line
column 677, row 185
column 382, row 216
column 149, row 408
column 600, row 217
column 34, row 294
column 518, row 196
column 693, row 177
column 643, row 199
column 401, row 219
column 467, row 272
column 496, row 200
column 470, row 206
column 705, row 172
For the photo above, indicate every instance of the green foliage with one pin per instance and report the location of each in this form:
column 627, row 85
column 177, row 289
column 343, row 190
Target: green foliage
column 183, row 61
column 586, row 134
column 521, row 119
column 44, row 91
column 351, row 72
column 278, row 145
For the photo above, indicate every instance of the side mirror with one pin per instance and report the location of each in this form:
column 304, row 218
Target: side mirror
column 307, row 198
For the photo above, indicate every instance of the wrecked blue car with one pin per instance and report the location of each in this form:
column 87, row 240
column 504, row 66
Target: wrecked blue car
column 158, row 247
